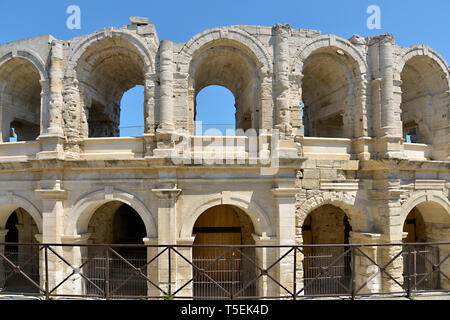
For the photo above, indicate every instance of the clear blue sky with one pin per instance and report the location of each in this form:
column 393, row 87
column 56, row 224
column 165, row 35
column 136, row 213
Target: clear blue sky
column 411, row 22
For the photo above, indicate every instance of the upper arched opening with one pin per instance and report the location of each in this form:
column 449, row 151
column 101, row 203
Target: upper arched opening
column 424, row 106
column 229, row 64
column 329, row 93
column 106, row 70
column 20, row 100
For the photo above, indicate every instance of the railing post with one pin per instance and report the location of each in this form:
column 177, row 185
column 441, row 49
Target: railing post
column 353, row 272
column 295, row 274
column 47, row 289
column 107, row 297
column 232, row 274
column 408, row 272
column 169, row 289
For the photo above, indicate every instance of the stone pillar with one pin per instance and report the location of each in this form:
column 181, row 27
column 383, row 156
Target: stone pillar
column 165, row 144
column 184, row 271
column 52, row 230
column 166, row 87
column 438, row 233
column 284, row 197
column 152, row 268
column 265, row 287
column 166, row 234
column 386, row 196
column 52, row 135
column 74, row 255
column 150, row 113
column 3, row 233
column 282, row 34
column 365, row 272
column 385, row 98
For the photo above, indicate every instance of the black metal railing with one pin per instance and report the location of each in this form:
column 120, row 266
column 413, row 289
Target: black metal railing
column 171, row 272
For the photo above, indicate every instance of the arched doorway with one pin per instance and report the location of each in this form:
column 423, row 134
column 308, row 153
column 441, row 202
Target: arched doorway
column 22, row 229
column 231, row 65
column 423, row 113
column 20, row 100
column 326, row 225
column 329, row 102
column 424, row 224
column 107, row 69
column 116, row 223
column 231, row 269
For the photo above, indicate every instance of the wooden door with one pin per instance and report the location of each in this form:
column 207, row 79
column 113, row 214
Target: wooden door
column 218, row 226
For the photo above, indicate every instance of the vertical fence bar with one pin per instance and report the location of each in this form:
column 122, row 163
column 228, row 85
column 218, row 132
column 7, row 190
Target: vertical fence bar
column 169, row 291
column 408, row 271
column 232, row 275
column 353, row 272
column 295, row 274
column 107, row 297
column 47, row 289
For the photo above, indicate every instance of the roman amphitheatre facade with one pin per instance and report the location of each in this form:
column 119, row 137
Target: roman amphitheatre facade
column 341, row 141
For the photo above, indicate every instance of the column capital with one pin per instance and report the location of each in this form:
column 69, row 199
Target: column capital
column 163, row 193
column 365, row 237
column 52, row 194
column 188, row 241
column 150, row 241
column 261, row 240
column 75, row 238
column 285, row 192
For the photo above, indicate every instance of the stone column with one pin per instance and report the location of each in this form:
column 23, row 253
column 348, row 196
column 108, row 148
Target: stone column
column 184, row 271
column 366, row 273
column 52, row 230
column 284, row 197
column 438, row 233
column 3, row 233
column 150, row 113
column 74, row 255
column 265, row 287
column 282, row 34
column 386, row 196
column 153, row 267
column 52, row 135
column 165, row 144
column 167, row 234
column 385, row 98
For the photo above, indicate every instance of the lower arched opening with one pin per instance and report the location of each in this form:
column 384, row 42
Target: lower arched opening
column 229, row 269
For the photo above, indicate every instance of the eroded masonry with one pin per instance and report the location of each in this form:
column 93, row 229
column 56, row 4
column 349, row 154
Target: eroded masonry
column 343, row 141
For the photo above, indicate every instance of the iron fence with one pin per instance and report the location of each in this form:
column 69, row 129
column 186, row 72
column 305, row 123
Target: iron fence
column 272, row 272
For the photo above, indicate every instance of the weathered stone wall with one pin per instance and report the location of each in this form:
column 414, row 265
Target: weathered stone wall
column 369, row 92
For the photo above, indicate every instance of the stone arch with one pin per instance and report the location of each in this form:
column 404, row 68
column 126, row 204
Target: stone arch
column 257, row 215
column 424, row 79
column 252, row 44
column 83, row 209
column 418, row 50
column 231, row 58
column 100, row 69
column 23, row 80
column 10, row 202
column 330, row 41
column 345, row 201
column 437, row 199
column 29, row 55
column 84, row 45
column 341, row 95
